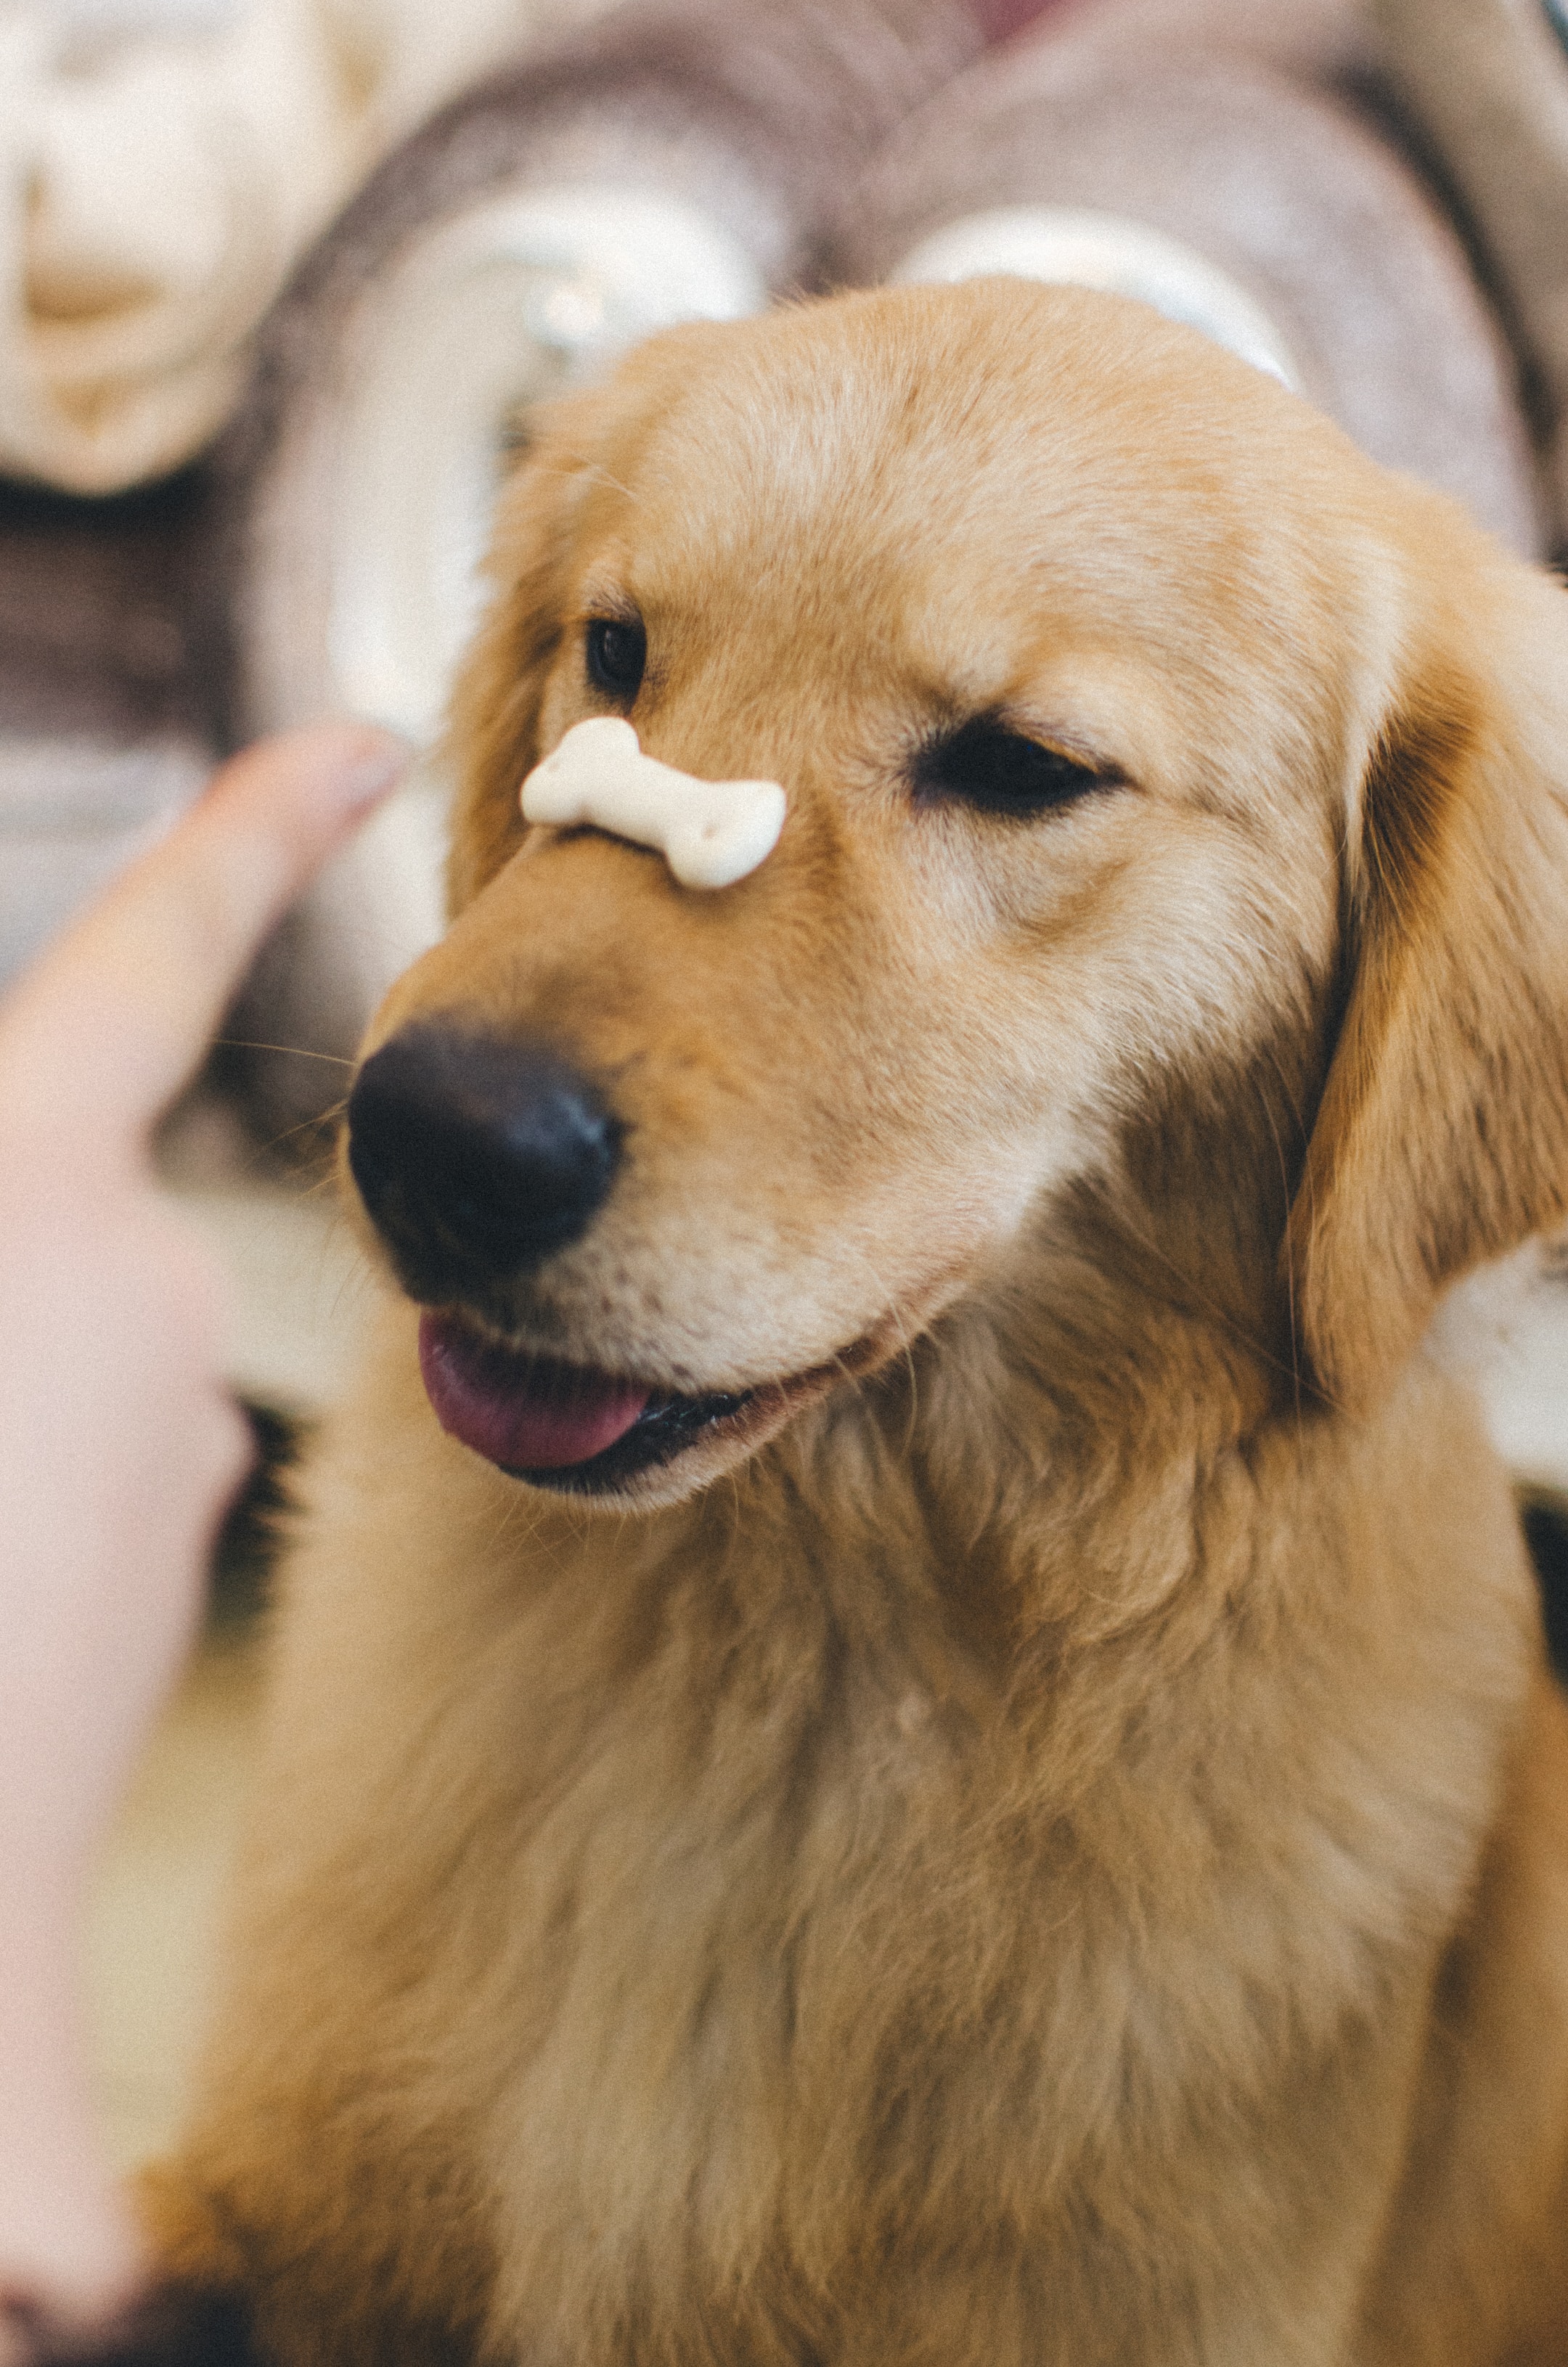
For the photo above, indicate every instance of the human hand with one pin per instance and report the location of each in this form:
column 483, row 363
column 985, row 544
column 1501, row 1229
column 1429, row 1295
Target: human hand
column 119, row 1444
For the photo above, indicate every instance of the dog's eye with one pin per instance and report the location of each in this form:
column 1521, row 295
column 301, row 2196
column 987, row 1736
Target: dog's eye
column 1001, row 772
column 617, row 653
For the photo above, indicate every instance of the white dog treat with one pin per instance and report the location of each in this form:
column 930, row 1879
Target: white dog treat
column 710, row 832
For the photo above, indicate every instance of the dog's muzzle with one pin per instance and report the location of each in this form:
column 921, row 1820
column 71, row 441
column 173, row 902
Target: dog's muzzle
column 478, row 1160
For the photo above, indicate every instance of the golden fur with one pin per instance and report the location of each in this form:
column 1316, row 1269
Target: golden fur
column 1048, row 1846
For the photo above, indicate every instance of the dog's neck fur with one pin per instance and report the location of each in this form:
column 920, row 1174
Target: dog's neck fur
column 1140, row 1323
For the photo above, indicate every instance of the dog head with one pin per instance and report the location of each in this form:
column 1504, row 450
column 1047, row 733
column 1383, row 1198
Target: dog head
column 1141, row 741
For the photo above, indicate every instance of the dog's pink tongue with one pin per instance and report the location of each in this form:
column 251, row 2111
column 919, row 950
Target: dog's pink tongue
column 522, row 1413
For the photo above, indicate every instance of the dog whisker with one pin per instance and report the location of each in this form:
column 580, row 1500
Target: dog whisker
column 308, row 1127
column 293, row 1051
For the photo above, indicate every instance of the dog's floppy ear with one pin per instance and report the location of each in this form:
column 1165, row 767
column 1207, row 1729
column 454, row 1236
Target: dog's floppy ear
column 1441, row 1139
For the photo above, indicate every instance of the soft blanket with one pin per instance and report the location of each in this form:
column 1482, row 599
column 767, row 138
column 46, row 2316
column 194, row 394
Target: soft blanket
column 161, row 167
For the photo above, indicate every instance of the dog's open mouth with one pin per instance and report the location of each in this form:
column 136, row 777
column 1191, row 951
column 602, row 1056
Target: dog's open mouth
column 557, row 1425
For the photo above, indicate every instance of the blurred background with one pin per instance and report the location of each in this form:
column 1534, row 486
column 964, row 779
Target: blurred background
column 279, row 281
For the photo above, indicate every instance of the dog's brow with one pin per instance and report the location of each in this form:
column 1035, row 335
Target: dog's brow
column 582, row 466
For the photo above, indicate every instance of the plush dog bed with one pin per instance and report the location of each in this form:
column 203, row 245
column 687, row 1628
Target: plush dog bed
column 101, row 738
column 1263, row 176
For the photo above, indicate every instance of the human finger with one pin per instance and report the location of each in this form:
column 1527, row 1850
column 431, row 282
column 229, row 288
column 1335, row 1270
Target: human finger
column 112, row 1019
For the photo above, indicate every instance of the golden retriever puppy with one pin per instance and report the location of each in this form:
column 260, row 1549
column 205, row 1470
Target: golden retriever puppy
column 925, row 1743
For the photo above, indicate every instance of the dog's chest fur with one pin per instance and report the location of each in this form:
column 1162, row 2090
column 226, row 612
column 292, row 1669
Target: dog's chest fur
column 781, row 1904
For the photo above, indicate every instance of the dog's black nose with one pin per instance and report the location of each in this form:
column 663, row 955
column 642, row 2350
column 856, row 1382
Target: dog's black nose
column 476, row 1158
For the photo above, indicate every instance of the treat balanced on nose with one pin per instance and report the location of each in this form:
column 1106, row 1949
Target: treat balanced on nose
column 710, row 832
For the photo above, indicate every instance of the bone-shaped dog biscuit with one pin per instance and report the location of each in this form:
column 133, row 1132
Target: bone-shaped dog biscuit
column 710, row 832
